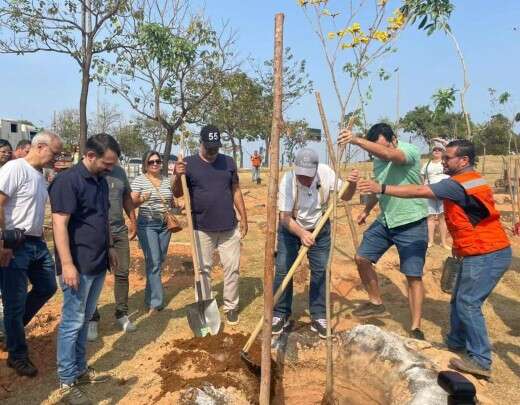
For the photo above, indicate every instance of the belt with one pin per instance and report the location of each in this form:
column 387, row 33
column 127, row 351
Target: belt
column 33, row 238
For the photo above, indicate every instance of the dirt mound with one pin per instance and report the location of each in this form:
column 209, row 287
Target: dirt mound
column 214, row 359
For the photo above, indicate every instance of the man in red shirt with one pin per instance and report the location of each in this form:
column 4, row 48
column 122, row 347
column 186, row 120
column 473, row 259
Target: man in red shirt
column 256, row 162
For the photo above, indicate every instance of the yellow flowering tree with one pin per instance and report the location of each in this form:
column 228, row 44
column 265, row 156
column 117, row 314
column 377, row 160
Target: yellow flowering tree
column 355, row 35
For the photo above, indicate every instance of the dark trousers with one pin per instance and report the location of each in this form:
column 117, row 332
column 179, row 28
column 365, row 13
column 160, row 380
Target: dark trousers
column 288, row 247
column 121, row 284
column 33, row 263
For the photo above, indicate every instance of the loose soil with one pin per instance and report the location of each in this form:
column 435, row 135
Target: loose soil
column 146, row 364
column 212, row 359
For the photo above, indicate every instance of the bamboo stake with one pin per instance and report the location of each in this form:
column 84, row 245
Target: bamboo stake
column 301, row 255
column 335, row 161
column 272, row 193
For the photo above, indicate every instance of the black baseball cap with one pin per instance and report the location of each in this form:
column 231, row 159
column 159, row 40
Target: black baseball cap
column 210, row 136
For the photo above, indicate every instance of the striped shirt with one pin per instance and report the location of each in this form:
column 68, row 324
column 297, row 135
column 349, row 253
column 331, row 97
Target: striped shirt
column 154, row 206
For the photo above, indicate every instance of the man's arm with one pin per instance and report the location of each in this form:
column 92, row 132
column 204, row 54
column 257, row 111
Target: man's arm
column 352, row 179
column 238, row 200
column 129, row 208
column 5, row 254
column 382, row 152
column 70, row 274
column 404, row 191
column 179, row 170
column 287, row 221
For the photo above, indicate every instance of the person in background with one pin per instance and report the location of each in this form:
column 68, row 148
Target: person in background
column 478, row 238
column 6, row 151
column 23, row 195
column 214, row 190
column 119, row 195
column 304, row 195
column 84, row 251
column 22, row 149
column 401, row 222
column 152, row 193
column 432, row 172
column 256, row 162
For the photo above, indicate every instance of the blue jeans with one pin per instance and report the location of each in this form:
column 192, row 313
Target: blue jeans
column 78, row 307
column 154, row 238
column 477, row 279
column 32, row 262
column 288, row 247
column 255, row 173
column 411, row 241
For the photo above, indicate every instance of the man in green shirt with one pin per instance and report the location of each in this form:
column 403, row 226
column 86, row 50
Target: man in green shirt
column 402, row 222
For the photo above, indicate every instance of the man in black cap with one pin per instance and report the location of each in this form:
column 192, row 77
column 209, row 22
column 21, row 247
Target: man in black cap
column 214, row 192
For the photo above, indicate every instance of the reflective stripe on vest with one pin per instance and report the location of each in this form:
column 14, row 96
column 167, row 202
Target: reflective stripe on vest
column 473, row 183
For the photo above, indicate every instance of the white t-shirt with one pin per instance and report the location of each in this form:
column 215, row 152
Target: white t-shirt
column 433, row 172
column 27, row 191
column 309, row 204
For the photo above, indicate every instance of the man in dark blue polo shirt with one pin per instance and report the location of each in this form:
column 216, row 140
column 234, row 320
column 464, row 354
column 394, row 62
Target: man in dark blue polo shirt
column 215, row 193
column 84, row 252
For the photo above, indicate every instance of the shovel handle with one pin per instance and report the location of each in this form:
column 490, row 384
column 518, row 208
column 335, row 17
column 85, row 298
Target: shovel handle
column 301, row 254
column 187, row 204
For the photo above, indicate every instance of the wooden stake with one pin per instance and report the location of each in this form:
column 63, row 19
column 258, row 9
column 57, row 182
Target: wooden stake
column 272, row 194
column 335, row 164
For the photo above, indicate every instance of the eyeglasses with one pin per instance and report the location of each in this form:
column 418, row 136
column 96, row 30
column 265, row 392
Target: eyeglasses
column 448, row 158
column 155, row 162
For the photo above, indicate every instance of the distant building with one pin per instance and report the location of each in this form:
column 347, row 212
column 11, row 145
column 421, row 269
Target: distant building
column 14, row 131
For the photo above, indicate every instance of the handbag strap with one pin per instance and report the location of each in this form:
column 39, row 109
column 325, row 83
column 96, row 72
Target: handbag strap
column 158, row 192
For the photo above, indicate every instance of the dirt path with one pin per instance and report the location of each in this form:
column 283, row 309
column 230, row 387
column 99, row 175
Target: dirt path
column 142, row 363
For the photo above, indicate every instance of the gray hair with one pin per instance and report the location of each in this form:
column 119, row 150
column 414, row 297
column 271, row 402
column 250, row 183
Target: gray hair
column 45, row 137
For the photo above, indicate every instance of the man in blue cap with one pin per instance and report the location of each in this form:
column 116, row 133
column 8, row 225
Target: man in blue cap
column 303, row 197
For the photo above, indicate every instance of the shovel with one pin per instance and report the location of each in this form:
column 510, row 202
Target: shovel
column 203, row 315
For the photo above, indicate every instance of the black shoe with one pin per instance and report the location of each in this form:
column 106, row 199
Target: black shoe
column 319, row 326
column 369, row 309
column 23, row 367
column 417, row 334
column 279, row 324
column 232, row 317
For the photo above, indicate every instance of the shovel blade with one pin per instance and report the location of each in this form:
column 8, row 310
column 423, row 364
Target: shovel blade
column 204, row 318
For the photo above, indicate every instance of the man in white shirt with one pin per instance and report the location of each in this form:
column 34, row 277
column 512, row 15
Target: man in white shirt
column 23, row 195
column 302, row 198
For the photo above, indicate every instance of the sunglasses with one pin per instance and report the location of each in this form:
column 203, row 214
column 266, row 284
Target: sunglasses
column 155, row 162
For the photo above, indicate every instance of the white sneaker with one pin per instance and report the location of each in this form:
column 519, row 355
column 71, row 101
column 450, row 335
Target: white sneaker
column 92, row 333
column 126, row 324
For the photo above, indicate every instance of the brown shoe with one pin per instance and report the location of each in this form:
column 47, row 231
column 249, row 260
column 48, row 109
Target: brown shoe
column 369, row 309
column 470, row 366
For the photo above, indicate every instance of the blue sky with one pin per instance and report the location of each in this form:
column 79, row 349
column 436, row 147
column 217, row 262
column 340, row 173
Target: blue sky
column 33, row 86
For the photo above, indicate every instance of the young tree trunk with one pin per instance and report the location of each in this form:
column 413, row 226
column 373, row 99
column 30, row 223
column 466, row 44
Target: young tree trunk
column 267, row 141
column 241, row 150
column 234, row 146
column 83, row 124
column 167, row 148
